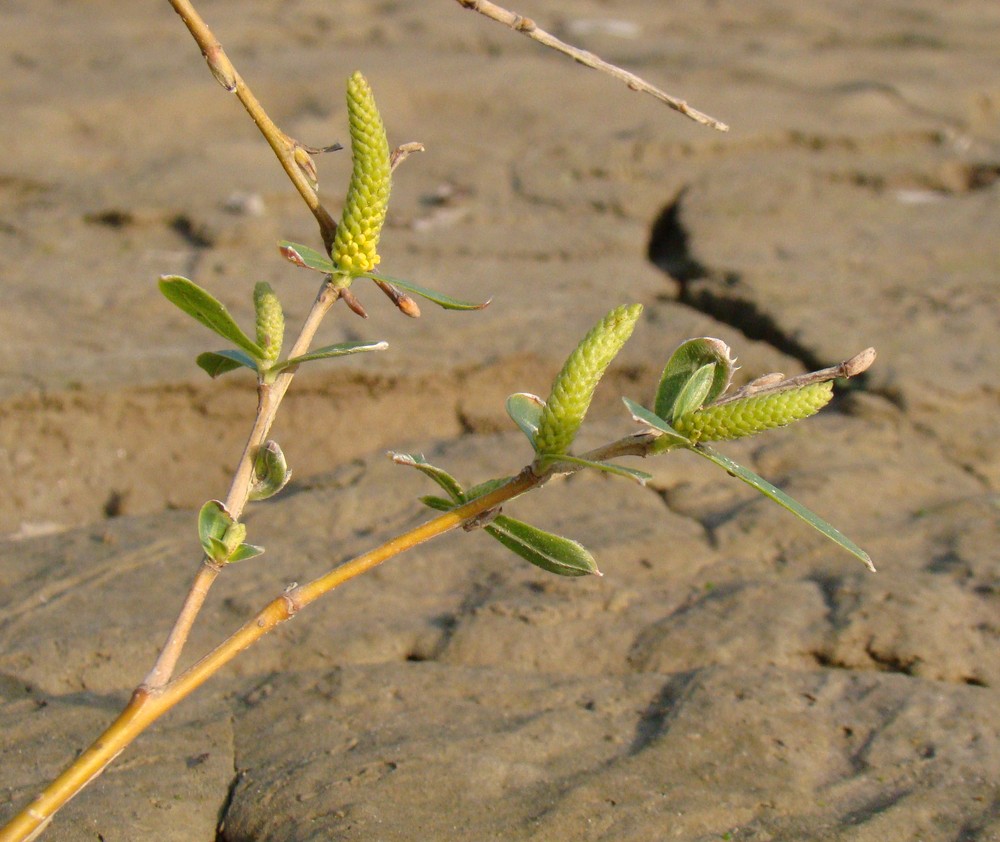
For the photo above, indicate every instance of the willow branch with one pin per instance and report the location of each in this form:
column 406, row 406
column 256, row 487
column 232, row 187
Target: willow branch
column 269, row 398
column 293, row 156
column 149, row 704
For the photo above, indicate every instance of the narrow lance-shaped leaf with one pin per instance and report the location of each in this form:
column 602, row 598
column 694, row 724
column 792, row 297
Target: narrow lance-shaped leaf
column 435, row 297
column 543, row 549
column 439, row 504
column 484, row 488
column 670, row 437
column 306, row 257
column 196, row 302
column 446, row 481
column 782, row 499
column 341, row 349
column 633, row 474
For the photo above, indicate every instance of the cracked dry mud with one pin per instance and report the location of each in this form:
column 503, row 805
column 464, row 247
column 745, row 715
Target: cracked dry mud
column 733, row 675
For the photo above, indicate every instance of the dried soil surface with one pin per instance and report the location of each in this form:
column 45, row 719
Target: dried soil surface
column 733, row 675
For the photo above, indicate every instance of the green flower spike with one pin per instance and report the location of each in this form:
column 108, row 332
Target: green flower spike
column 747, row 416
column 574, row 386
column 270, row 321
column 355, row 244
column 683, row 421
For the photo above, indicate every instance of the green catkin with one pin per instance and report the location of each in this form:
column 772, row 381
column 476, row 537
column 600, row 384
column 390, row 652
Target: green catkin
column 356, row 241
column 270, row 320
column 754, row 414
column 574, row 386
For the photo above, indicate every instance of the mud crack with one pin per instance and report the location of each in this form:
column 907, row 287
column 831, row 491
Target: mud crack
column 670, row 251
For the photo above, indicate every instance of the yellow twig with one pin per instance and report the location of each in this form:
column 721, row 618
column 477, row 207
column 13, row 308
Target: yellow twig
column 294, row 157
column 147, row 705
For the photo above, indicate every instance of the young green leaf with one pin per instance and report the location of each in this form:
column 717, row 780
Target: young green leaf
column 341, row 349
column 442, row 300
column 221, row 537
column 484, row 488
column 217, row 550
column 525, row 410
column 216, row 363
column 243, row 552
column 694, row 393
column 270, row 471
column 307, row 258
column 633, row 474
column 213, row 523
column 782, row 499
column 685, row 361
column 202, row 306
column 446, row 481
column 432, row 501
column 543, row 549
column 670, row 438
column 234, row 537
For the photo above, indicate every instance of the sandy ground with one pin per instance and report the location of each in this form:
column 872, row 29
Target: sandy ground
column 733, row 675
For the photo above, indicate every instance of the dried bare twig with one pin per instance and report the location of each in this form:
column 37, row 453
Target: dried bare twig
column 528, row 27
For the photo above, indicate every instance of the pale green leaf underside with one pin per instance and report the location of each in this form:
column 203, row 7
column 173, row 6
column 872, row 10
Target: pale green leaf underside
column 215, row 363
column 341, row 349
column 543, row 549
column 525, row 410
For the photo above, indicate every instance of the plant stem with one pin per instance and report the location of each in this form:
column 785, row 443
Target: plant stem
column 288, row 151
column 147, row 705
column 526, row 26
column 269, row 399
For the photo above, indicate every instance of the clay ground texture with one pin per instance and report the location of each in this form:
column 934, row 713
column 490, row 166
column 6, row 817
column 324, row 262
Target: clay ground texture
column 733, row 675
